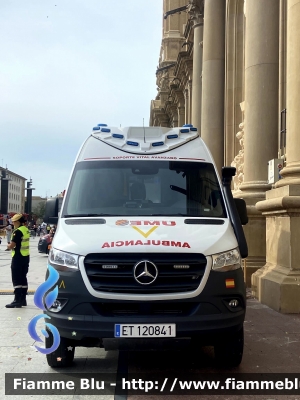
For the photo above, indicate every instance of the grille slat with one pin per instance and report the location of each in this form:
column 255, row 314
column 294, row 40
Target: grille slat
column 121, row 279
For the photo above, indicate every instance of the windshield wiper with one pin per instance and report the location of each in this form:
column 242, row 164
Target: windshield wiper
column 89, row 215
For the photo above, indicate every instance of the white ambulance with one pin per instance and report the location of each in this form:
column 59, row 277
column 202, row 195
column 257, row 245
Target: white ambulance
column 149, row 245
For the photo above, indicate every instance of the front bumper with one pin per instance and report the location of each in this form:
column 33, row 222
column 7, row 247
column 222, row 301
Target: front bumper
column 207, row 315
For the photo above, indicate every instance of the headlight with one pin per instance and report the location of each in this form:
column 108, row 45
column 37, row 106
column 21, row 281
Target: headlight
column 59, row 257
column 226, row 261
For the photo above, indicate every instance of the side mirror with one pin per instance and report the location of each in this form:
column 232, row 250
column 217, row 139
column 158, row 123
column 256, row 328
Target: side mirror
column 227, row 174
column 236, row 209
column 51, row 211
column 242, row 210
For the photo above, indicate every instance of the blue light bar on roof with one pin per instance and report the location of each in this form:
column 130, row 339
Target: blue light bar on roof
column 187, row 126
column 102, row 125
column 117, row 136
column 96, row 128
column 155, row 144
column 105, row 130
column 184, row 131
column 172, row 136
column 132, row 143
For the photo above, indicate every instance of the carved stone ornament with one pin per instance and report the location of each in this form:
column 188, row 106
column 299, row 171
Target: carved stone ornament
column 196, row 11
column 164, row 82
column 238, row 161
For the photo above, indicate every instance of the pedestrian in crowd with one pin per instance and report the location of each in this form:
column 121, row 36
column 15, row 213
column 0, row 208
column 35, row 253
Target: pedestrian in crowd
column 35, row 229
column 8, row 230
column 19, row 245
column 48, row 228
column 1, row 232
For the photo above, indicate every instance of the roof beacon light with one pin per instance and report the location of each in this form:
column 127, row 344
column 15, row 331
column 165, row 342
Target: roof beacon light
column 172, row 136
column 145, row 140
column 187, row 126
column 157, row 144
column 102, row 125
column 117, row 136
column 132, row 143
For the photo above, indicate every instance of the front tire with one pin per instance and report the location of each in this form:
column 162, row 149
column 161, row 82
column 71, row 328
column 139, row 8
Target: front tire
column 63, row 356
column 229, row 351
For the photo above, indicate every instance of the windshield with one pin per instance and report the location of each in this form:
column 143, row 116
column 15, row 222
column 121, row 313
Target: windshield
column 160, row 188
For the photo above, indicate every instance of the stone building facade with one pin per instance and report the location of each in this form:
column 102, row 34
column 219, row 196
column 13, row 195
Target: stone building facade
column 231, row 68
column 12, row 192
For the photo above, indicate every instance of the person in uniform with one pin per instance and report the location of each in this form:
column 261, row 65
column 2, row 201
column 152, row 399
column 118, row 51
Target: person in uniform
column 19, row 245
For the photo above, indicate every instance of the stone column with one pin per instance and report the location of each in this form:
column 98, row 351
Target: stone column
column 282, row 61
column 190, row 83
column 187, row 106
column 261, row 118
column 174, row 112
column 291, row 172
column 181, row 115
column 278, row 283
column 261, row 93
column 196, row 12
column 212, row 124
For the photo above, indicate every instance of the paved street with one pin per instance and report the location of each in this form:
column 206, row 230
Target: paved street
column 38, row 266
column 271, row 344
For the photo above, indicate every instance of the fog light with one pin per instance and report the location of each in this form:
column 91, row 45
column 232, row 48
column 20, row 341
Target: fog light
column 233, row 303
column 58, row 305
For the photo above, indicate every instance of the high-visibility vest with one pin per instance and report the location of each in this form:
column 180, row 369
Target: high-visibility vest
column 24, row 250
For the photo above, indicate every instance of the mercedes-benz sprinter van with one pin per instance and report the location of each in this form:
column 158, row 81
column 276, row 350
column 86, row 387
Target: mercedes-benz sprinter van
column 149, row 244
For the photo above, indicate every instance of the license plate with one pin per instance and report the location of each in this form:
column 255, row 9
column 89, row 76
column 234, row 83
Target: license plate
column 145, row 330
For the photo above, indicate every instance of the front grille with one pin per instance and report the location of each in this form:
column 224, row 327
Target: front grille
column 141, row 309
column 121, row 279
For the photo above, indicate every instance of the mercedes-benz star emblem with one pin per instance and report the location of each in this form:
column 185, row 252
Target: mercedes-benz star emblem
column 145, row 272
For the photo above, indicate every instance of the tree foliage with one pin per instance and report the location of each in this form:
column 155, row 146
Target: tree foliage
column 39, row 210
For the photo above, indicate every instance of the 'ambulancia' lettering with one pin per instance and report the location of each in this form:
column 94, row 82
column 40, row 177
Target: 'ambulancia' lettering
column 167, row 243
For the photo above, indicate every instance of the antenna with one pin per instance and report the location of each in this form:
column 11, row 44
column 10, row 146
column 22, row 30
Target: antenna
column 144, row 131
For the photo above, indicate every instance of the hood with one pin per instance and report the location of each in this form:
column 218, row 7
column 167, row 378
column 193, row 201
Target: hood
column 144, row 235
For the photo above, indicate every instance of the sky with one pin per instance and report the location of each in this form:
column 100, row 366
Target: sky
column 65, row 66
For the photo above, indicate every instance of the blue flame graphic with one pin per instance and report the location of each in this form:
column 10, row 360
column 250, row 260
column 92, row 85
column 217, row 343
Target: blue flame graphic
column 51, row 328
column 44, row 287
column 40, row 300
